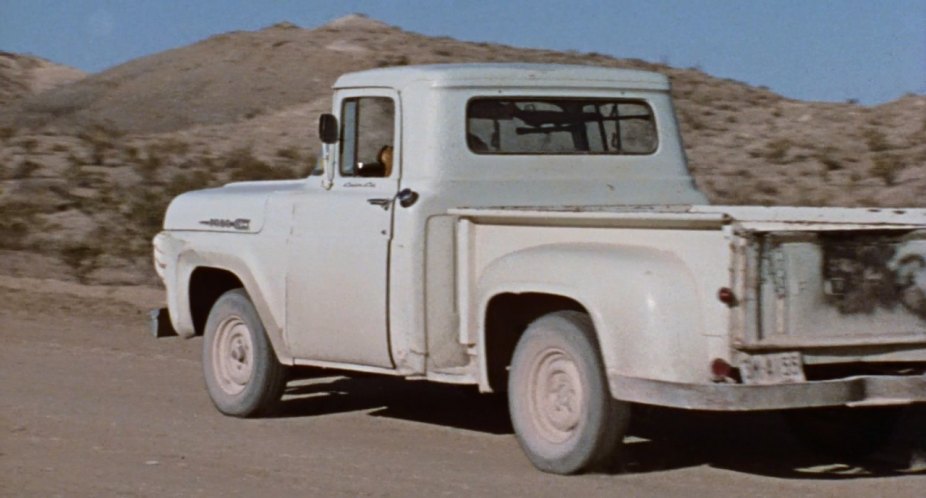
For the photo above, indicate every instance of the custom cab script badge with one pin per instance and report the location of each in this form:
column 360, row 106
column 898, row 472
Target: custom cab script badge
column 238, row 224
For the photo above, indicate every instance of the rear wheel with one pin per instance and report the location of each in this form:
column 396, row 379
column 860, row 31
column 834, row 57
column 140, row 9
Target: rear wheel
column 243, row 376
column 843, row 432
column 563, row 414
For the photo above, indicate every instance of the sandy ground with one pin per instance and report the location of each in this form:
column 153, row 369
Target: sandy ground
column 90, row 405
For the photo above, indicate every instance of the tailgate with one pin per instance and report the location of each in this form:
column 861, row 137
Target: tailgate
column 826, row 289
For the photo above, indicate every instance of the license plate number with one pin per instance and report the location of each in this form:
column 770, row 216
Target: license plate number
column 777, row 368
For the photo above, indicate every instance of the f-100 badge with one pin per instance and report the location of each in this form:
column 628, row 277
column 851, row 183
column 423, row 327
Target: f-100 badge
column 237, row 224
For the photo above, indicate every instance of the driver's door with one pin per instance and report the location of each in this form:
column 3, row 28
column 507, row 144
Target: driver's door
column 338, row 254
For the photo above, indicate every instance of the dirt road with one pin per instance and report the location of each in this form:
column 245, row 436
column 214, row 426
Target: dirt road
column 90, row 405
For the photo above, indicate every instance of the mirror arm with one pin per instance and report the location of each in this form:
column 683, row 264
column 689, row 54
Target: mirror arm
column 327, row 167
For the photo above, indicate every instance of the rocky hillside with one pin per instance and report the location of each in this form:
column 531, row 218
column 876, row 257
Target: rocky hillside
column 23, row 75
column 87, row 167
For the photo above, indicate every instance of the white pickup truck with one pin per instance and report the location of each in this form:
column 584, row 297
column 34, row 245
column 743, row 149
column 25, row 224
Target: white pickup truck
column 533, row 229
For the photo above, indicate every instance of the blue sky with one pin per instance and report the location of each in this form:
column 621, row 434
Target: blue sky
column 831, row 50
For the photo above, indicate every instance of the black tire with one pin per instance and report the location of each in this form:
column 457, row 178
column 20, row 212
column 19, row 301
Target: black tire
column 242, row 373
column 583, row 427
column 852, row 433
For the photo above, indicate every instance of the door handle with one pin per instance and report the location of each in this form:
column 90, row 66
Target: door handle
column 407, row 197
column 383, row 203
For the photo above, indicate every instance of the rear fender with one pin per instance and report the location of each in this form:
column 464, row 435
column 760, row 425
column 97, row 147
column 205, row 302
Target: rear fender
column 644, row 303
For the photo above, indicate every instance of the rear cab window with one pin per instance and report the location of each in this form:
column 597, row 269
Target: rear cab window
column 538, row 125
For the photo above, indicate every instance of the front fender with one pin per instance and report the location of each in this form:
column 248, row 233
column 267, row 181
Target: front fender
column 644, row 302
column 265, row 288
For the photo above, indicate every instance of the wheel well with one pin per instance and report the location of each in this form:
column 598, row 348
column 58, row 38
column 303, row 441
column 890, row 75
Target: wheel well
column 206, row 286
column 507, row 317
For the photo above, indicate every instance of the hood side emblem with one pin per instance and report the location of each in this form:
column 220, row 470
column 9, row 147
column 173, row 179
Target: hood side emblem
column 237, row 224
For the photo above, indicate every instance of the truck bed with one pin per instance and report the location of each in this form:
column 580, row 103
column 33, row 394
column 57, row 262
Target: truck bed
column 837, row 284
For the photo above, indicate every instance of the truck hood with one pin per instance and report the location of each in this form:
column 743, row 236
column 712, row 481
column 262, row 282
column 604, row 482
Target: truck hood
column 236, row 207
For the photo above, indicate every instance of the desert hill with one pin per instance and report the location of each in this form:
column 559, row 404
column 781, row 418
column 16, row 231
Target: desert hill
column 87, row 167
column 23, row 75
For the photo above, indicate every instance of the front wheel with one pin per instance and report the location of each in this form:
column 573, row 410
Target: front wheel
column 562, row 411
column 243, row 376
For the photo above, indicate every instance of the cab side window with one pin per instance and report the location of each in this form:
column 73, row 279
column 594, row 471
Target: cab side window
column 368, row 132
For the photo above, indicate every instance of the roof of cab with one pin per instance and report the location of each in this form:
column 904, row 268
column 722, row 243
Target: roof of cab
column 505, row 75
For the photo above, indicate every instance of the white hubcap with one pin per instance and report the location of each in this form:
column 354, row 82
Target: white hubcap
column 232, row 355
column 556, row 395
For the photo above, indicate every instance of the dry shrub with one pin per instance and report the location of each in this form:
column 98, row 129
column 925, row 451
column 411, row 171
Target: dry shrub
column 82, row 257
column 876, row 140
column 887, row 167
column 777, row 150
column 13, row 233
column 170, row 147
column 149, row 167
column 767, row 187
column 393, row 60
column 186, row 182
column 291, row 153
column 25, row 169
column 101, row 139
column 828, row 160
column 17, row 223
column 242, row 165
column 145, row 215
column 30, row 145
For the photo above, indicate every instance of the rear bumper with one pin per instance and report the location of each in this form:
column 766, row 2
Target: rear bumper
column 852, row 391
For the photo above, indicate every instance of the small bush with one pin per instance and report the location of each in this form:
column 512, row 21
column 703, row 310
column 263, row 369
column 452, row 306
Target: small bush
column 13, row 234
column 16, row 224
column 25, row 169
column 777, row 150
column 186, row 182
column 82, row 257
column 98, row 154
column 767, row 187
column 132, row 154
column 692, row 120
column 100, row 139
column 145, row 211
column 291, row 153
column 876, row 140
column 30, row 145
column 149, row 167
column 827, row 159
column 73, row 171
column 243, row 166
column 887, row 167
column 171, row 147
column 393, row 60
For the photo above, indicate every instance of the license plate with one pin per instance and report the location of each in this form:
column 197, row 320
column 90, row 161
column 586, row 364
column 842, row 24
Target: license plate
column 777, row 368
